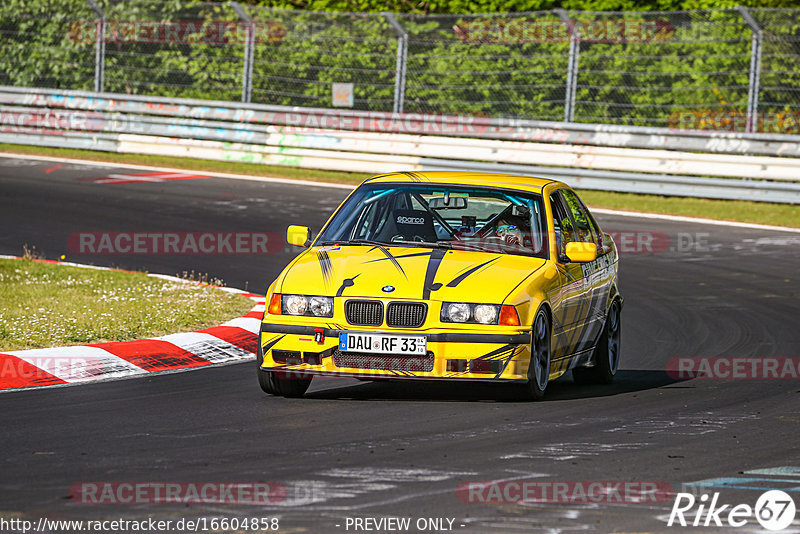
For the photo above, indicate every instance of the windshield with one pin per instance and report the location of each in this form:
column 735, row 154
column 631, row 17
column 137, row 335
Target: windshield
column 435, row 215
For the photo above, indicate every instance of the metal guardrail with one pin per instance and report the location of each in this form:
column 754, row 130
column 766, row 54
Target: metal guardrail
column 427, row 124
column 744, row 166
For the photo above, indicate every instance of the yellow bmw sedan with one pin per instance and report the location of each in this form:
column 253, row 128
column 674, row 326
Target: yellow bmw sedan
column 447, row 276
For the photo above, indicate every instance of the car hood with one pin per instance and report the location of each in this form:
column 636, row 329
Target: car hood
column 407, row 273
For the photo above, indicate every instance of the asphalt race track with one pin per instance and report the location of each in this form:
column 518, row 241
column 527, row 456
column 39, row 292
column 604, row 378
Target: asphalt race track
column 358, row 449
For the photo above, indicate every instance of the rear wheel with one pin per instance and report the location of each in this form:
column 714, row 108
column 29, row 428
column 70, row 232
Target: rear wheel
column 539, row 367
column 606, row 353
column 279, row 383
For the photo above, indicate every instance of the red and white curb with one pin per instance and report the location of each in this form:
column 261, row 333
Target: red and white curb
column 233, row 341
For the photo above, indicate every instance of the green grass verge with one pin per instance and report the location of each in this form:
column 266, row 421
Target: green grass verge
column 48, row 305
column 726, row 210
column 729, row 210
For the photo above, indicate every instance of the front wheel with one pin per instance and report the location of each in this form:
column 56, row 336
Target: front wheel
column 539, row 367
column 285, row 385
column 606, row 353
column 279, row 383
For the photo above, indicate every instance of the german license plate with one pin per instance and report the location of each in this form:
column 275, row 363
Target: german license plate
column 382, row 343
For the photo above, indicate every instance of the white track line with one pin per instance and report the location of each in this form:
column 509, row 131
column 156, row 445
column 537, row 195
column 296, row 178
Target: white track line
column 214, row 174
column 696, row 220
column 270, row 179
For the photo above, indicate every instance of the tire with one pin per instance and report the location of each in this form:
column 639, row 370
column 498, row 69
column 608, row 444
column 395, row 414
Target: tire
column 539, row 368
column 274, row 384
column 606, row 352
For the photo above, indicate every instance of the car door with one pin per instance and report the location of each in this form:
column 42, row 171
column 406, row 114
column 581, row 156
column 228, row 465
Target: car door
column 569, row 306
column 593, row 273
column 601, row 274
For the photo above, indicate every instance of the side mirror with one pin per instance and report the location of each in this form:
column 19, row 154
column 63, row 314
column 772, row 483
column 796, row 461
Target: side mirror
column 581, row 252
column 298, row 236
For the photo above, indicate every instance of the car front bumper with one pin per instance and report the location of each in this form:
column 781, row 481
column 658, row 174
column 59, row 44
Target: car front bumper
column 452, row 354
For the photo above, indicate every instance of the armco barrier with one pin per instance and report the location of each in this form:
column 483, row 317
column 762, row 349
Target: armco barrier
column 762, row 167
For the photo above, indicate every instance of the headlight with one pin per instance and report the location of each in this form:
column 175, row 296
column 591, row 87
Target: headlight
column 456, row 312
column 486, row 313
column 295, row 304
column 304, row 305
column 321, row 306
column 464, row 312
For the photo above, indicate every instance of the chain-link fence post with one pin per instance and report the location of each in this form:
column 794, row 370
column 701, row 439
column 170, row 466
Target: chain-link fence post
column 755, row 70
column 572, row 66
column 402, row 55
column 247, row 70
column 100, row 47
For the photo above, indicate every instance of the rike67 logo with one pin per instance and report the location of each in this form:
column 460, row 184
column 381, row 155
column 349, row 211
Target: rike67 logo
column 774, row 510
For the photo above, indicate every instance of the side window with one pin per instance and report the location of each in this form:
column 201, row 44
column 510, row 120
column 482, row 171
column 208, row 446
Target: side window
column 585, row 230
column 595, row 228
column 372, row 218
column 562, row 222
column 361, row 229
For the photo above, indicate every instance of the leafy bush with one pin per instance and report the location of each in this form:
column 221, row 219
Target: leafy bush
column 675, row 69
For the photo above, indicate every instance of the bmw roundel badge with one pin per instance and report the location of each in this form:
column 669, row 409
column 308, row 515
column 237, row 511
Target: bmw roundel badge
column 387, row 289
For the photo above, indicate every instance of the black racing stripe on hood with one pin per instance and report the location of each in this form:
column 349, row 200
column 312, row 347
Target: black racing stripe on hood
column 412, row 255
column 430, row 273
column 347, row 282
column 325, row 265
column 460, row 278
column 390, row 258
